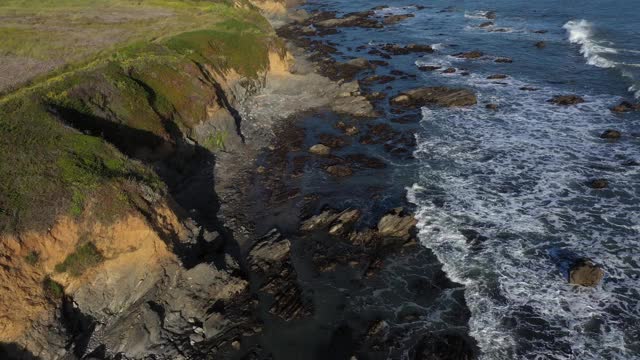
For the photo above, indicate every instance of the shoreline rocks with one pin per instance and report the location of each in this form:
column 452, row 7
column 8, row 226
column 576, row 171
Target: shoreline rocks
column 442, row 96
column 566, row 100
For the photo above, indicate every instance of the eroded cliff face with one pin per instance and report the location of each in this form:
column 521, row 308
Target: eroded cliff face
column 135, row 282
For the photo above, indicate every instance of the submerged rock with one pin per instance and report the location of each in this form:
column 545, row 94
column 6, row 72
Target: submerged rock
column 469, row 55
column 611, row 134
column 598, row 183
column 541, row 44
column 486, row 24
column 585, row 273
column 504, row 60
column 491, row 106
column 566, row 100
column 442, row 96
column 444, row 347
column 625, row 106
column 449, row 70
column 409, row 49
column 394, row 19
column 497, row 77
column 339, row 170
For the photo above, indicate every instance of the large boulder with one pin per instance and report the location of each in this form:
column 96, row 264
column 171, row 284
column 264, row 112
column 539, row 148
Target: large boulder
column 442, row 96
column 585, row 273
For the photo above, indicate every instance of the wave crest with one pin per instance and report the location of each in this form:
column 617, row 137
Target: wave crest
column 581, row 32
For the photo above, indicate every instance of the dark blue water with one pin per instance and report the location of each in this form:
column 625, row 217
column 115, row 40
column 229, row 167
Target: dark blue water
column 518, row 175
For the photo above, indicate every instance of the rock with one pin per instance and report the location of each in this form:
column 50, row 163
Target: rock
column 364, row 237
column 320, row 149
column 348, row 130
column 497, row 77
column 269, row 252
column 540, row 31
column 528, row 88
column 354, row 20
column 319, row 221
column 584, row 272
column 361, row 63
column 236, row 345
column 599, row 183
column 449, row 70
column 469, row 55
column 357, row 106
column 344, row 221
column 393, row 19
column 625, row 106
column 429, row 67
column 486, row 24
column 378, row 330
column 490, row 15
column 379, row 79
column 611, row 134
column 333, row 141
column 339, row 170
column 441, row 96
column 541, row 44
column 409, row 49
column 397, row 224
column 473, row 237
column 566, row 100
column 503, row 60
column 491, row 106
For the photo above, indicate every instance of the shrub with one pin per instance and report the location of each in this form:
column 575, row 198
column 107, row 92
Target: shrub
column 83, row 258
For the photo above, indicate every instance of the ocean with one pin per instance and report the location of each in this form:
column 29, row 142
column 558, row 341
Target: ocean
column 517, row 177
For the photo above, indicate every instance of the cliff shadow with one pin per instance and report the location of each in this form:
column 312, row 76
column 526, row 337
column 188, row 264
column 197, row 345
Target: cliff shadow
column 185, row 167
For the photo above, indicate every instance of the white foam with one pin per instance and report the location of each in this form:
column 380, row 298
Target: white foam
column 516, row 176
column 437, row 47
column 480, row 14
column 581, row 33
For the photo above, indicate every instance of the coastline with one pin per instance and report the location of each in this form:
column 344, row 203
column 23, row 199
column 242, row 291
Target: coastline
column 196, row 242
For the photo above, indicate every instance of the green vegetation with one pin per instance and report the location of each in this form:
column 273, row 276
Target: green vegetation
column 32, row 258
column 93, row 128
column 215, row 141
column 50, row 34
column 83, row 258
column 52, row 289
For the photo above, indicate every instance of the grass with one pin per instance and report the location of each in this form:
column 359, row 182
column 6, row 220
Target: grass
column 215, row 141
column 137, row 95
column 52, row 289
column 33, row 258
column 52, row 34
column 83, row 258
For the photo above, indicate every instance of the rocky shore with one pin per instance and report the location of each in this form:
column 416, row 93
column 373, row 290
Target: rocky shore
column 232, row 258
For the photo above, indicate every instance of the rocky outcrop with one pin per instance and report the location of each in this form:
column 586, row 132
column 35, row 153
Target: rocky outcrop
column 566, row 100
column 270, row 258
column 584, row 272
column 470, row 55
column 441, row 96
column 625, row 106
column 397, row 224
